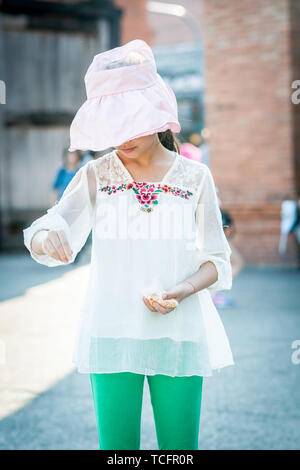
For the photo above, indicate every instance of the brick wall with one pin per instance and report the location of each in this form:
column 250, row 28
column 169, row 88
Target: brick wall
column 135, row 22
column 251, row 57
column 249, row 113
column 295, row 64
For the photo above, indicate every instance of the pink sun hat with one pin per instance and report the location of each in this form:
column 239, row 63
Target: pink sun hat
column 126, row 99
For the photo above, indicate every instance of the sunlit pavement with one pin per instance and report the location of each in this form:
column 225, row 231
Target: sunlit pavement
column 46, row 404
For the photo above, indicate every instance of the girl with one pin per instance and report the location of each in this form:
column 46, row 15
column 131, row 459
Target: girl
column 157, row 231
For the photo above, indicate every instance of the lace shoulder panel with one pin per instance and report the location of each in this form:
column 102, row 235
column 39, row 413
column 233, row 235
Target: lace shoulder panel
column 186, row 173
column 102, row 167
column 189, row 173
column 108, row 171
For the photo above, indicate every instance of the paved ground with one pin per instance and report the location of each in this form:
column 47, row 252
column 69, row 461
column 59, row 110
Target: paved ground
column 45, row 404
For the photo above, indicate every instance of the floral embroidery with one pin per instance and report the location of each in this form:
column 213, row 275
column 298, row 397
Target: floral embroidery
column 147, row 193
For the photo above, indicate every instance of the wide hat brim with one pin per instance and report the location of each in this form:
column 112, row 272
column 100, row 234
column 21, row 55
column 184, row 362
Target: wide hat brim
column 123, row 103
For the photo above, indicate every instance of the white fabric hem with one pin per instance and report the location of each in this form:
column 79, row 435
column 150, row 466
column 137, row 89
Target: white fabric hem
column 84, row 370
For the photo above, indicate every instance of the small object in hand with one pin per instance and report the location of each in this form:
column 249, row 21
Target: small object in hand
column 167, row 303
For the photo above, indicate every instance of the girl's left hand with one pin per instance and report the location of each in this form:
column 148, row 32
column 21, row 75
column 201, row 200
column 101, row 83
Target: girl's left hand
column 178, row 292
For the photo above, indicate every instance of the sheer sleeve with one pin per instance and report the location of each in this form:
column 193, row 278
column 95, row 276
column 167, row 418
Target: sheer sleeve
column 73, row 213
column 211, row 242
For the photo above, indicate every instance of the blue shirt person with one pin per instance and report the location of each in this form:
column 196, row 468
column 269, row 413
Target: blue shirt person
column 64, row 175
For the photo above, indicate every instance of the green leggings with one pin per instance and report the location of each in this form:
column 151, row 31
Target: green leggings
column 176, row 404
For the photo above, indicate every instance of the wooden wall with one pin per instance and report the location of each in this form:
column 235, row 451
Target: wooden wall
column 43, row 70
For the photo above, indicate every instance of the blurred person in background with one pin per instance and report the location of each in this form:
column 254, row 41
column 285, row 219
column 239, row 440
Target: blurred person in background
column 197, row 148
column 87, row 156
column 201, row 142
column 204, row 149
column 72, row 161
column 296, row 230
column 70, row 166
column 290, row 223
column 190, row 151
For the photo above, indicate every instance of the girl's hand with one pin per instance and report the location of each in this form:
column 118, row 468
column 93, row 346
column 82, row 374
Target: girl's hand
column 178, row 292
column 53, row 243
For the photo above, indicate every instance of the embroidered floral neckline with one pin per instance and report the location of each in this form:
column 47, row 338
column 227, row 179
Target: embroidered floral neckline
column 147, row 193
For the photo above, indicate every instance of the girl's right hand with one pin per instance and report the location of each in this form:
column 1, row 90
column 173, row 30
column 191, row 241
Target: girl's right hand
column 53, row 243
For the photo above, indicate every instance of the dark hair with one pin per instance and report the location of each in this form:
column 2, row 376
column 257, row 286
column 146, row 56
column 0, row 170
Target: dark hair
column 169, row 140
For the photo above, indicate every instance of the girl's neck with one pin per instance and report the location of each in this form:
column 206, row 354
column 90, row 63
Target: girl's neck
column 160, row 157
column 150, row 172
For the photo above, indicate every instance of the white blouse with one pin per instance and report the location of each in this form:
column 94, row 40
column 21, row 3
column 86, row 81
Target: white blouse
column 145, row 236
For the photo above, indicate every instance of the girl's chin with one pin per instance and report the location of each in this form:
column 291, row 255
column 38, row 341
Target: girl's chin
column 131, row 151
column 128, row 149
